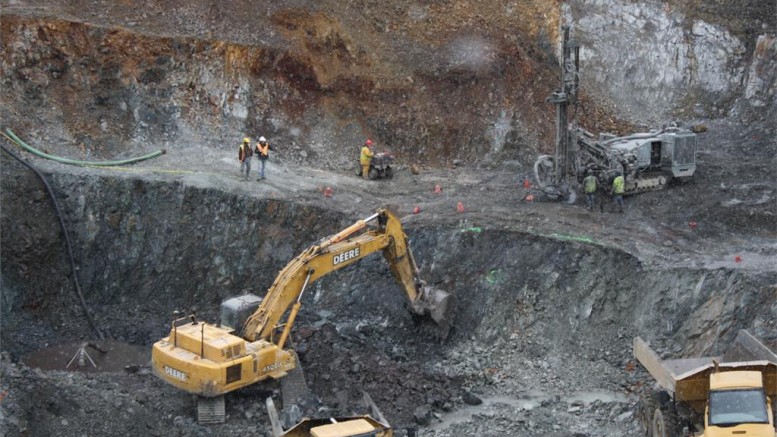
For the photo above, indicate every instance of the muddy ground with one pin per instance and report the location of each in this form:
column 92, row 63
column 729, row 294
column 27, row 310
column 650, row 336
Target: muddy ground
column 550, row 294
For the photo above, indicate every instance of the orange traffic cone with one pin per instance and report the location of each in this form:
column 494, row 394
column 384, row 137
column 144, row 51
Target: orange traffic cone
column 328, row 192
column 526, row 183
column 737, row 259
column 459, row 207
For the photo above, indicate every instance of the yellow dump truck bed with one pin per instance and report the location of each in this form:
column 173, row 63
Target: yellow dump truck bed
column 689, row 378
column 342, row 429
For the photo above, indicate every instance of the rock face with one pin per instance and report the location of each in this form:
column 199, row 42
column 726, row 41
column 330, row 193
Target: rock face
column 659, row 61
column 316, row 81
column 762, row 75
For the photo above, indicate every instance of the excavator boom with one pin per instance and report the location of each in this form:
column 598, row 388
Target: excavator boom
column 341, row 250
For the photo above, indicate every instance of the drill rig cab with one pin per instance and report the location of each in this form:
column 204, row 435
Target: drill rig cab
column 248, row 345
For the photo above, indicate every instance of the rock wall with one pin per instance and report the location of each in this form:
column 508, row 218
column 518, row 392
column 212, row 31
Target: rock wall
column 316, row 82
column 658, row 61
column 321, row 78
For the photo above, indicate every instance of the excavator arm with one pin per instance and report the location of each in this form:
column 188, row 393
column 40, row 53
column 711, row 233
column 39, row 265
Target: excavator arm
column 338, row 251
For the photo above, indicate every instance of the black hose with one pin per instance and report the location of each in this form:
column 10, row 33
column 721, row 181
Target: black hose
column 73, row 268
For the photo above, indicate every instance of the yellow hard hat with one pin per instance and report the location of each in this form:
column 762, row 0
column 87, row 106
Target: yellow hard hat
column 246, row 140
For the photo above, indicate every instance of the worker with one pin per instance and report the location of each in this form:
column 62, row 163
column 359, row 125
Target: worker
column 244, row 154
column 603, row 182
column 617, row 191
column 589, row 186
column 366, row 158
column 263, row 153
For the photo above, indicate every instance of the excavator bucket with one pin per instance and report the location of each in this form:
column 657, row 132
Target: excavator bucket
column 438, row 304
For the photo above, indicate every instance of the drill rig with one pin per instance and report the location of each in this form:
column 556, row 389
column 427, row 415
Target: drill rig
column 648, row 161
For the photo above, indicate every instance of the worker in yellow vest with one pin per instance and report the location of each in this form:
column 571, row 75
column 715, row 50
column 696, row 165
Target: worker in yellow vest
column 366, row 158
column 244, row 154
column 617, row 191
column 589, row 186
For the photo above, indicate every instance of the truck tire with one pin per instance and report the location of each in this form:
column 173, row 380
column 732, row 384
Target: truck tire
column 666, row 422
column 389, row 172
column 648, row 403
column 373, row 174
column 657, row 414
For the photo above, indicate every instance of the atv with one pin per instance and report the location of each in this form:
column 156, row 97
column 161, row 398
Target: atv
column 380, row 167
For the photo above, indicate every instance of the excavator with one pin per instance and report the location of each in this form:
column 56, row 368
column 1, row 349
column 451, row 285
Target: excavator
column 247, row 346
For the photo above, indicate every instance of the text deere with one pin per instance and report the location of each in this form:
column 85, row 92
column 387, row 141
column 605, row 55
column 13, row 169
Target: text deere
column 345, row 256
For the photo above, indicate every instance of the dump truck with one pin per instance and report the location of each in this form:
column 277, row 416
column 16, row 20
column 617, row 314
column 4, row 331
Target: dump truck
column 372, row 424
column 730, row 395
column 248, row 344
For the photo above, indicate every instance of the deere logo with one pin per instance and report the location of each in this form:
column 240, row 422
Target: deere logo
column 345, row 256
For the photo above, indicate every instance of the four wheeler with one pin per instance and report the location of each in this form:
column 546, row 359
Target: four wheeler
column 380, row 167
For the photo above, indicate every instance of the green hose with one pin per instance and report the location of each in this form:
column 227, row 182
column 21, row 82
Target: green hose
column 22, row 144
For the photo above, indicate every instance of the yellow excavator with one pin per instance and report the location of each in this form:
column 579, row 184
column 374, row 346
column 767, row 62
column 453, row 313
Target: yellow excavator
column 248, row 345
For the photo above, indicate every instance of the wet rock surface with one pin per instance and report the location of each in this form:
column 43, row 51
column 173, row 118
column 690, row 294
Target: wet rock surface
column 550, row 295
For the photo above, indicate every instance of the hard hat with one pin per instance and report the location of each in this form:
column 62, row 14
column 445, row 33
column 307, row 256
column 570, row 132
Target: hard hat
column 368, row 142
column 262, row 139
column 246, row 140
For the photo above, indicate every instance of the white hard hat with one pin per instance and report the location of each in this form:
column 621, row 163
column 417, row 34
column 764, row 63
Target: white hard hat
column 262, row 139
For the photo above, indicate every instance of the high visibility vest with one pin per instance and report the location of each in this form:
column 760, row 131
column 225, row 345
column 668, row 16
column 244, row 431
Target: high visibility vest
column 264, row 150
column 590, row 184
column 617, row 185
column 244, row 151
column 366, row 156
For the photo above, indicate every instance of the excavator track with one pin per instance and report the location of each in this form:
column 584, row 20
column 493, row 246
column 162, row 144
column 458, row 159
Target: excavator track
column 210, row 410
column 293, row 385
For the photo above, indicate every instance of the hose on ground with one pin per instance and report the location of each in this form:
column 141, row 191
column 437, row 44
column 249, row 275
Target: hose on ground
column 37, row 152
column 73, row 267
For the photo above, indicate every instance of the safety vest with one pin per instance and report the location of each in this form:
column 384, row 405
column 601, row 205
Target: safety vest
column 244, row 151
column 366, row 156
column 264, row 150
column 590, row 184
column 617, row 185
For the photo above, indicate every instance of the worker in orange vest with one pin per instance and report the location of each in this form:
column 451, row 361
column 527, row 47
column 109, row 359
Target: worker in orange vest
column 263, row 153
column 366, row 158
